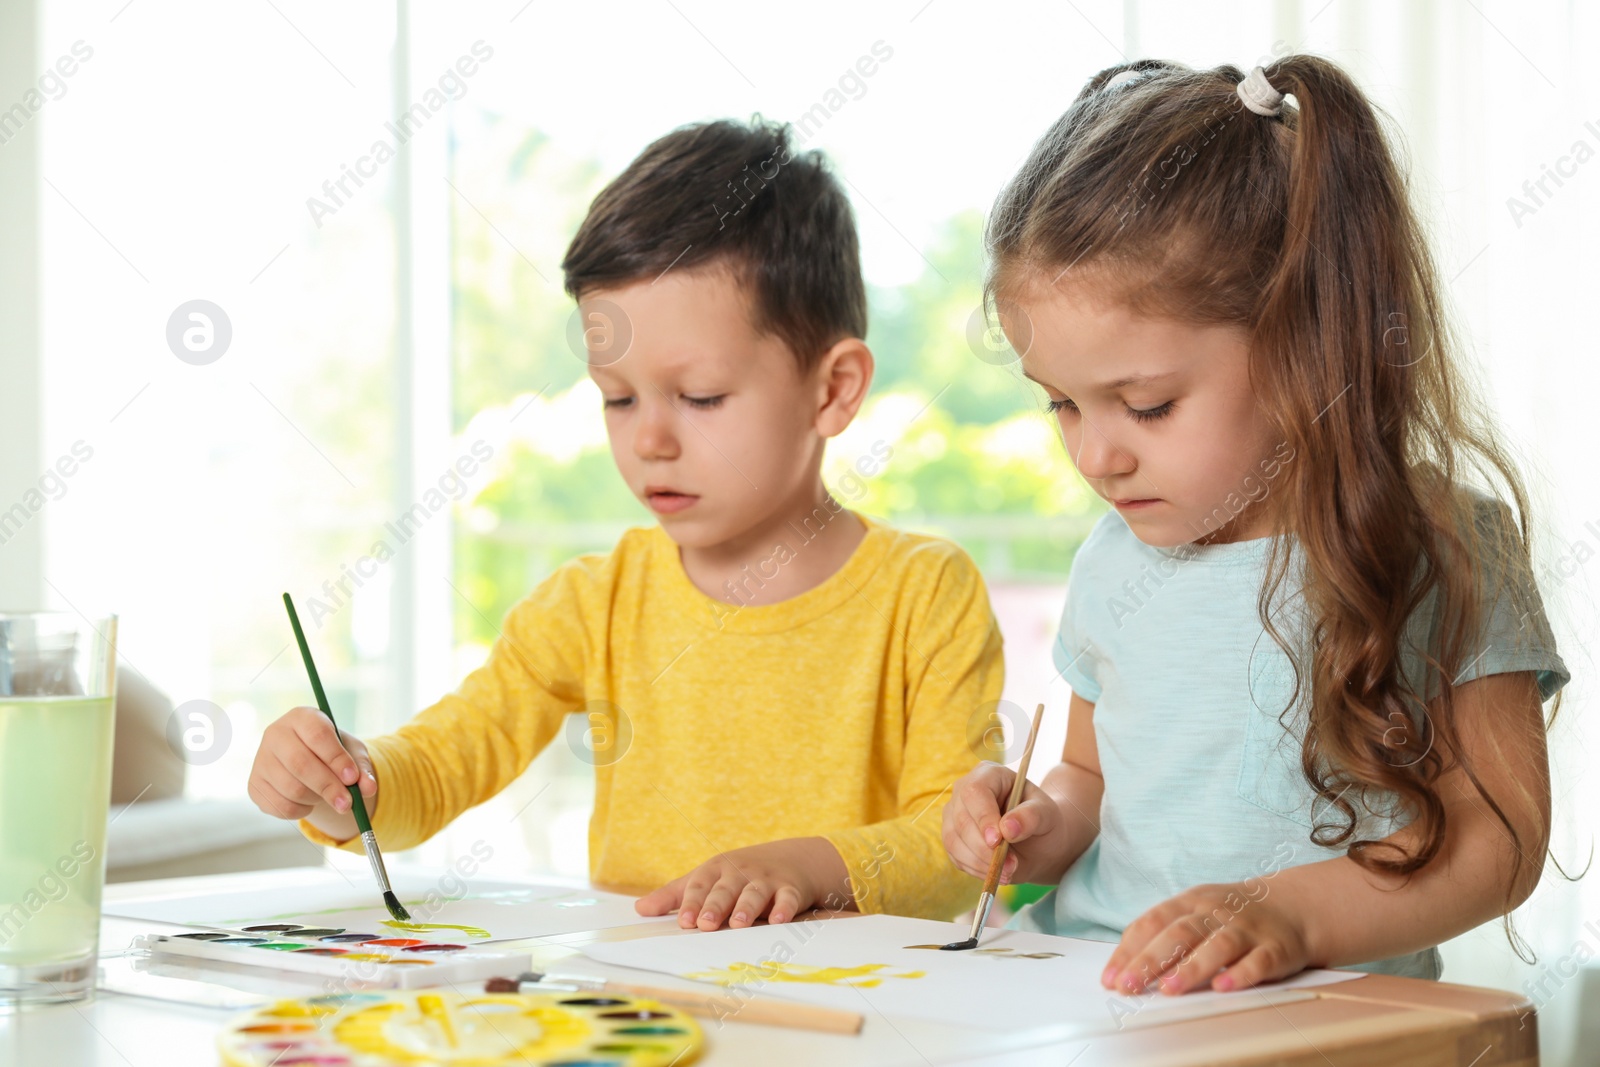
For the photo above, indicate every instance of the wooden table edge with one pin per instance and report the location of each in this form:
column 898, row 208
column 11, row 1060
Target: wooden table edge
column 1496, row 1027
column 1477, row 1002
column 1387, row 1026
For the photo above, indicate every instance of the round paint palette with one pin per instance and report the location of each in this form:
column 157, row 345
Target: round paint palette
column 435, row 1028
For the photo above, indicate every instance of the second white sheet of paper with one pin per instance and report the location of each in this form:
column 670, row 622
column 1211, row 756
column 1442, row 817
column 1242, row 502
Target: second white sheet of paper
column 1015, row 980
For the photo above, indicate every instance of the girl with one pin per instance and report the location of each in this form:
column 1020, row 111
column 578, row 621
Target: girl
column 1307, row 656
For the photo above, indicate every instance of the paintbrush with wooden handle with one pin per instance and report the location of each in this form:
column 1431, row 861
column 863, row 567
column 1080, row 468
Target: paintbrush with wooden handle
column 991, row 884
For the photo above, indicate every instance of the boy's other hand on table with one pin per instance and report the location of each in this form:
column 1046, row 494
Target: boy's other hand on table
column 778, row 880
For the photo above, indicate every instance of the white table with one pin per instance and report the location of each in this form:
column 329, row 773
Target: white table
column 1380, row 1020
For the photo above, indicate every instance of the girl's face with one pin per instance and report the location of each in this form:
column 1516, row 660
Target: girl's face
column 1157, row 415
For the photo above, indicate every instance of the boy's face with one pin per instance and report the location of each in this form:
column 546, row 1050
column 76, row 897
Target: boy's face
column 1191, row 444
column 711, row 423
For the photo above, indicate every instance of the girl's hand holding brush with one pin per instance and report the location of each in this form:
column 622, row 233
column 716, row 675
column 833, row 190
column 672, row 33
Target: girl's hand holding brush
column 1052, row 824
column 1035, row 828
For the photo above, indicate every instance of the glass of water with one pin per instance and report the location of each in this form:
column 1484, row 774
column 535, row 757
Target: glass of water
column 57, row 690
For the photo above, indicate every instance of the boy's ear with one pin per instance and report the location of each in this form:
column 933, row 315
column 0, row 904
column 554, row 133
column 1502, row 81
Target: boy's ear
column 842, row 375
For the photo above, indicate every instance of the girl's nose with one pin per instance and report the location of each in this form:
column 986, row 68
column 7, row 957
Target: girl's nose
column 1097, row 456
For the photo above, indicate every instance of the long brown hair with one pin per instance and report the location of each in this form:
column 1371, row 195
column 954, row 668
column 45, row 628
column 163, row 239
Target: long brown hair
column 1164, row 192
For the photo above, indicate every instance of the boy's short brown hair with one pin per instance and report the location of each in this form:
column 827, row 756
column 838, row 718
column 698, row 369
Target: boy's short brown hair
column 732, row 194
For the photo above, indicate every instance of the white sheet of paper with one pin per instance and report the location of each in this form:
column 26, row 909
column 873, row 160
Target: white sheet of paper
column 1015, row 980
column 500, row 910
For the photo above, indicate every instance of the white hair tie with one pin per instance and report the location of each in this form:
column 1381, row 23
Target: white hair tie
column 1259, row 95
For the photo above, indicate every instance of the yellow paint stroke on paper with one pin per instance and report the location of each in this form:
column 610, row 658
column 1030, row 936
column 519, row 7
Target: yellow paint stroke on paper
column 865, row 976
column 420, row 928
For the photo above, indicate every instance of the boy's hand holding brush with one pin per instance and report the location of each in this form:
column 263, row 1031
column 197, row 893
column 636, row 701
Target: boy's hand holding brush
column 301, row 772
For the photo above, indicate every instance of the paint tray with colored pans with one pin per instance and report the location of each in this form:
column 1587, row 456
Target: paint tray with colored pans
column 358, row 960
column 443, row 1029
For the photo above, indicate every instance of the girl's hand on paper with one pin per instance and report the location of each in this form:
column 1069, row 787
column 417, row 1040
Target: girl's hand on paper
column 779, row 880
column 301, row 770
column 974, row 828
column 1186, row 942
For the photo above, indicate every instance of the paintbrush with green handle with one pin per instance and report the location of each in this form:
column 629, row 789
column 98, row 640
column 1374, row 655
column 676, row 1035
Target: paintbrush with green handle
column 358, row 807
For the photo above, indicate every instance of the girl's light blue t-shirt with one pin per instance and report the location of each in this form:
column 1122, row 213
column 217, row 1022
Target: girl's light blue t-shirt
column 1202, row 781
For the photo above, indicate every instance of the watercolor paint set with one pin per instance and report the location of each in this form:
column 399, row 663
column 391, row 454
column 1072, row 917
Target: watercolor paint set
column 356, row 959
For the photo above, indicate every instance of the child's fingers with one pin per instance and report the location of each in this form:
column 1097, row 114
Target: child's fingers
column 980, row 795
column 698, row 884
column 1028, row 818
column 720, row 899
column 972, row 860
column 288, row 783
column 369, row 777
column 280, row 787
column 1203, row 961
column 786, row 904
column 317, row 732
column 662, row 899
column 1135, row 936
column 960, row 837
column 951, row 833
column 974, row 825
column 1167, row 949
column 751, row 904
column 972, row 816
column 269, row 800
column 1262, row 963
column 306, row 767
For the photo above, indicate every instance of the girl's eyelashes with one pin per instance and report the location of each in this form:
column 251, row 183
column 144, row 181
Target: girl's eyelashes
column 617, row 402
column 1150, row 414
column 1136, row 414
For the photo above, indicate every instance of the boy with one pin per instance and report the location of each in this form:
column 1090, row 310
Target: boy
column 797, row 680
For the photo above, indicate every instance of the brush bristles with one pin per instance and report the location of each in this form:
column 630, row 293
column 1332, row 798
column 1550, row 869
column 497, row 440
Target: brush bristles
column 392, row 902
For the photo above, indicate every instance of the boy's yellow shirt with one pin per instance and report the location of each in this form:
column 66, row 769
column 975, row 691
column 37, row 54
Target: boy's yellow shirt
column 845, row 712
